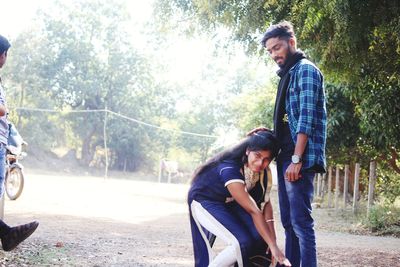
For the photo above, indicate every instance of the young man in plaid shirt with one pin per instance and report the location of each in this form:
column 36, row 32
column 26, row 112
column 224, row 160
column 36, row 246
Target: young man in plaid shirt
column 300, row 126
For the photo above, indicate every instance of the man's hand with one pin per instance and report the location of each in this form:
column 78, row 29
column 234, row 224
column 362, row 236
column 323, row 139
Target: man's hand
column 258, row 129
column 293, row 172
column 3, row 110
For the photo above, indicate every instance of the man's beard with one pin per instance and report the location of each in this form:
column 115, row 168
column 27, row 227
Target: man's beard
column 288, row 56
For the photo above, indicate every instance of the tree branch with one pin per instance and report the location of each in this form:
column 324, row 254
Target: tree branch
column 393, row 160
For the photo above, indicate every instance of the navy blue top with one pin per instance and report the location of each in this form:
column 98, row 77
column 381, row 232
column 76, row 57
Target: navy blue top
column 211, row 184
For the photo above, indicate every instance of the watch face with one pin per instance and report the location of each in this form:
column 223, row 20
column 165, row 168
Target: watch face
column 295, row 159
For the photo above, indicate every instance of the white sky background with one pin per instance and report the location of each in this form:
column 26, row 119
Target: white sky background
column 185, row 59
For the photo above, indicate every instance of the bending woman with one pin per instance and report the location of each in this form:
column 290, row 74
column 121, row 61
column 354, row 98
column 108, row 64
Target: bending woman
column 228, row 198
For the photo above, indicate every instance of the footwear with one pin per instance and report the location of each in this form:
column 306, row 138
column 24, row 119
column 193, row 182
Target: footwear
column 18, row 234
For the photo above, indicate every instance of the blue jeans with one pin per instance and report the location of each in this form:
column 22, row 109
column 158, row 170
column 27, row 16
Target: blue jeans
column 295, row 207
column 2, row 167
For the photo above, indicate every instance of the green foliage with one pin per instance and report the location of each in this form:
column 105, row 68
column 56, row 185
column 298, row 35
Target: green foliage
column 343, row 126
column 255, row 108
column 83, row 61
column 203, row 118
column 79, row 57
column 357, row 45
column 384, row 219
column 388, row 184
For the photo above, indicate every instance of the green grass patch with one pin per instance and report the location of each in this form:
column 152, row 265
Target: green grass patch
column 383, row 219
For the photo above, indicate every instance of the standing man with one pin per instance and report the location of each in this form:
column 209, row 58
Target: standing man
column 10, row 236
column 300, row 126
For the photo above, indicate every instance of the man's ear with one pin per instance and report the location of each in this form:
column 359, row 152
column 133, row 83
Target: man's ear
column 247, row 152
column 293, row 42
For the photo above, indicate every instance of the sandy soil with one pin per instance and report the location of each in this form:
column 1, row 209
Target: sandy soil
column 88, row 221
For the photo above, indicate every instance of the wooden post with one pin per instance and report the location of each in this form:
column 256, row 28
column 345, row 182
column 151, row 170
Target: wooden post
column 371, row 185
column 105, row 142
column 323, row 185
column 356, row 187
column 330, row 187
column 160, row 171
column 318, row 184
column 315, row 184
column 169, row 177
column 345, row 185
column 337, row 189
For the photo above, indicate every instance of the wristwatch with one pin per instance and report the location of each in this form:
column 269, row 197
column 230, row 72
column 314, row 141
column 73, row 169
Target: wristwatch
column 296, row 159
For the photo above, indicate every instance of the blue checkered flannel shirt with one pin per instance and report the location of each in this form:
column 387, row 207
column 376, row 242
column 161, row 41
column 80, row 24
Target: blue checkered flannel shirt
column 306, row 109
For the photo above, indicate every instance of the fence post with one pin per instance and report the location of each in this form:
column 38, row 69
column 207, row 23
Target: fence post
column 105, row 141
column 337, row 190
column 345, row 185
column 371, row 185
column 315, row 184
column 160, row 170
column 318, row 184
column 330, row 187
column 323, row 185
column 356, row 187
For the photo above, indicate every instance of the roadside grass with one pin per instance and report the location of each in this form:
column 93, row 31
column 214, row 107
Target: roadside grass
column 382, row 220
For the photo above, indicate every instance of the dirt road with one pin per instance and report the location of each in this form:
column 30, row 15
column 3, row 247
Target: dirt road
column 88, row 221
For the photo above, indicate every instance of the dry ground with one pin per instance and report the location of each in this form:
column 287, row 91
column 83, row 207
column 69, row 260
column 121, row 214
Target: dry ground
column 88, row 221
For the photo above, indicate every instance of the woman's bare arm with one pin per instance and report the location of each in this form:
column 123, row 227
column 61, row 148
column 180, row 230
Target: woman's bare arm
column 269, row 218
column 243, row 198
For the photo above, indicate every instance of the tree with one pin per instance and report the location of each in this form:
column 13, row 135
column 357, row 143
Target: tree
column 343, row 128
column 355, row 42
column 80, row 59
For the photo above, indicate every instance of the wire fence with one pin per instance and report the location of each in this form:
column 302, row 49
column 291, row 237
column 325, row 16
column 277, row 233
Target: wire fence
column 108, row 115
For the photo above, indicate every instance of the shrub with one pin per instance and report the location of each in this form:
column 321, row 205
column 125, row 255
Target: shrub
column 384, row 219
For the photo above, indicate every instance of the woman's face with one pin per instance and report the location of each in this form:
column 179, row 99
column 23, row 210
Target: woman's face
column 258, row 160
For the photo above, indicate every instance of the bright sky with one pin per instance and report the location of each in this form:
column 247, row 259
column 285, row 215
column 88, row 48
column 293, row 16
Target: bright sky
column 17, row 15
column 186, row 59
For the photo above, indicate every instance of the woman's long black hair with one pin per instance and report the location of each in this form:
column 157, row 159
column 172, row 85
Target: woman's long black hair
column 262, row 140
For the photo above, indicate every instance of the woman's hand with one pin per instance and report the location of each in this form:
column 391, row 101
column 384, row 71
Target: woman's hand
column 279, row 256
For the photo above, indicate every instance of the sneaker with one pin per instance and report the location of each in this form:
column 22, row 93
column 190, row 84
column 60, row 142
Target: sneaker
column 18, row 234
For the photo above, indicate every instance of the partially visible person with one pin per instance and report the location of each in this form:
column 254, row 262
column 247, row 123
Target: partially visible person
column 300, row 123
column 229, row 199
column 10, row 236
